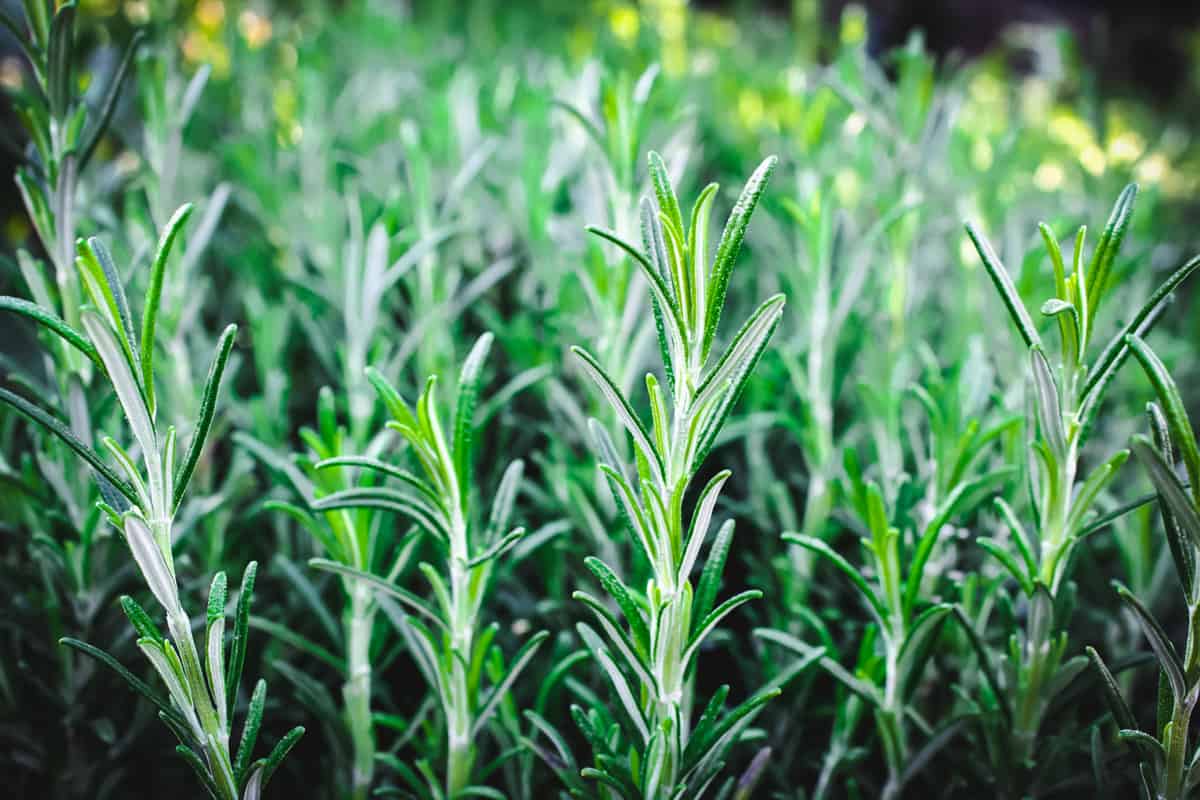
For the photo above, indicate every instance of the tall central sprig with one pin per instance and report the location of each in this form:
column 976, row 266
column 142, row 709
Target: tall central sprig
column 666, row 627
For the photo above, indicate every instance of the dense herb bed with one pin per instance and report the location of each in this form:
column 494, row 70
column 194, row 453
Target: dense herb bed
column 554, row 469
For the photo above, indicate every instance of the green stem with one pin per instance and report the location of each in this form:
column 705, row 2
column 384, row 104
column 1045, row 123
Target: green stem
column 356, row 692
column 1176, row 746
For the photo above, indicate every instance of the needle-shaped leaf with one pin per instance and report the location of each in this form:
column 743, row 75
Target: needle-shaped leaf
column 1160, row 643
column 1173, row 495
column 154, row 293
column 56, row 427
column 519, row 662
column 1171, row 403
column 1100, row 267
column 729, row 247
column 208, row 408
column 464, row 409
column 1050, row 419
column 52, row 323
column 621, row 406
column 1117, row 350
column 241, row 628
column 1004, row 285
column 918, row 646
column 1183, row 552
column 58, row 59
column 250, row 729
column 630, row 608
column 822, row 549
column 137, row 684
column 108, row 105
column 379, row 584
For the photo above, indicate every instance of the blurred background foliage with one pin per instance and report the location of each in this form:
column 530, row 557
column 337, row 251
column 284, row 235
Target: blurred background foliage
column 297, row 127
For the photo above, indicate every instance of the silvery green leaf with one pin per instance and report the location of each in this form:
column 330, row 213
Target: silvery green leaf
column 1100, row 267
column 1117, row 350
column 1160, row 643
column 464, row 408
column 729, row 247
column 171, row 673
column 1004, row 285
column 152, row 563
column 158, row 268
column 616, row 678
column 918, row 644
column 52, row 323
column 701, row 518
column 709, row 623
column 504, row 499
column 208, row 408
column 1171, row 403
column 1049, row 410
column 1169, row 488
column 125, row 385
column 519, row 662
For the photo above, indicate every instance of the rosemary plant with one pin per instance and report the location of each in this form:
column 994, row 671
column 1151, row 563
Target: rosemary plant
column 1169, row 767
column 896, row 648
column 652, row 673
column 142, row 504
column 1066, row 399
column 451, row 655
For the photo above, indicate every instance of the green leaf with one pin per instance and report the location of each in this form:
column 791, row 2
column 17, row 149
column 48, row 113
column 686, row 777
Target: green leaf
column 1117, row 350
column 729, row 247
column 112, row 295
column 821, row 548
column 997, row 551
column 1173, row 408
column 519, row 662
column 58, row 60
column 1160, row 643
column 137, row 684
column 1004, row 285
column 431, row 519
column 1174, row 496
column 379, row 584
column 709, row 623
column 464, row 411
column 621, row 406
column 668, row 204
column 154, row 294
column 241, row 626
column 109, row 104
column 1183, row 553
column 1050, row 418
column 289, row 637
column 1100, row 268
column 208, row 407
column 279, row 752
column 200, row 768
column 54, row 324
column 142, row 623
column 60, row 430
column 710, row 576
column 392, row 400
column 630, row 608
column 1112, row 691
column 250, row 729
column 918, row 645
